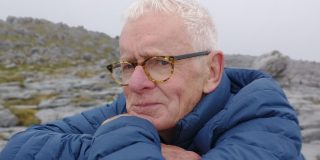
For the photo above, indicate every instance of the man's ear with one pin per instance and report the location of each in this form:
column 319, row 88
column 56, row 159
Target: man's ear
column 216, row 66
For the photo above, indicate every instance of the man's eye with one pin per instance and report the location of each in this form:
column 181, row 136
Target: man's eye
column 163, row 62
column 127, row 67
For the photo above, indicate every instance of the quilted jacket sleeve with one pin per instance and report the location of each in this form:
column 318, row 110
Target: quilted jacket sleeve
column 81, row 137
column 257, row 124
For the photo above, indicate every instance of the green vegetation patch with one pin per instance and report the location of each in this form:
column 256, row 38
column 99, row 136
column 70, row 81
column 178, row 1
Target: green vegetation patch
column 85, row 74
column 2, row 137
column 34, row 100
column 11, row 75
column 7, row 78
column 26, row 117
column 15, row 74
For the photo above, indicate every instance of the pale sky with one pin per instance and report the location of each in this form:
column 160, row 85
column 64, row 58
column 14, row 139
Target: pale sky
column 251, row 27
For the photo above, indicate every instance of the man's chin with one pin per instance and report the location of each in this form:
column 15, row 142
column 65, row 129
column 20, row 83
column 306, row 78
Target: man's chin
column 152, row 120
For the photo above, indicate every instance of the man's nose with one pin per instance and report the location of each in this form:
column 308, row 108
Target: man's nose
column 139, row 80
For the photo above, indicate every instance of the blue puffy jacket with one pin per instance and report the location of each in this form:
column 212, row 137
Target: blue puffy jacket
column 247, row 117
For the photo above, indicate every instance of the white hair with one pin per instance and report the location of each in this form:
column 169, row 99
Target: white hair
column 197, row 20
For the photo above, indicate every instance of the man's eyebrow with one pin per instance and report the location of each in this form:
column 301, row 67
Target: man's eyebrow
column 126, row 59
column 149, row 54
column 143, row 56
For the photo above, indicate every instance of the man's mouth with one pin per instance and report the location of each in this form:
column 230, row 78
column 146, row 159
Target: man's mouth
column 146, row 108
column 149, row 104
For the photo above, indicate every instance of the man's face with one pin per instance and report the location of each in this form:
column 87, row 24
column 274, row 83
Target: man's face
column 163, row 104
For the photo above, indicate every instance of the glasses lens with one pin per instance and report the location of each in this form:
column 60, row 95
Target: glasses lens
column 122, row 72
column 159, row 68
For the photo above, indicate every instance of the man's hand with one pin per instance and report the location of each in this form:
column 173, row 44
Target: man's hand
column 170, row 152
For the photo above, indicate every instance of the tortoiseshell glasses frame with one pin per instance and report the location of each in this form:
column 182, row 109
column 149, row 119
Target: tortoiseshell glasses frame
column 158, row 69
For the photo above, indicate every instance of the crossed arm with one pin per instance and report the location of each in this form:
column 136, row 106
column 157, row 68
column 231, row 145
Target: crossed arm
column 83, row 137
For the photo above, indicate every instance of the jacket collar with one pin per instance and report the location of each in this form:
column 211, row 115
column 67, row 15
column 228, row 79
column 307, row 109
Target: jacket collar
column 208, row 106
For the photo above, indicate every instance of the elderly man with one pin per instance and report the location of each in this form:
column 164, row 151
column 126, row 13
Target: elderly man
column 178, row 102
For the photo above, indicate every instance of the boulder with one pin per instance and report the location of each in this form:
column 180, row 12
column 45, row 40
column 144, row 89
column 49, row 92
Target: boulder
column 48, row 115
column 311, row 151
column 54, row 103
column 273, row 63
column 310, row 135
column 7, row 119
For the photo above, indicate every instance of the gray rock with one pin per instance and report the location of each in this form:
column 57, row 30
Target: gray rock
column 2, row 144
column 309, row 119
column 22, row 94
column 54, row 103
column 310, row 135
column 239, row 61
column 57, row 85
column 6, row 133
column 274, row 63
column 9, row 87
column 10, row 66
column 102, row 48
column 311, row 151
column 45, row 85
column 300, row 73
column 83, row 84
column 7, row 119
column 5, row 45
column 88, row 57
column 105, row 94
column 304, row 99
column 41, row 41
column 102, row 63
column 48, row 115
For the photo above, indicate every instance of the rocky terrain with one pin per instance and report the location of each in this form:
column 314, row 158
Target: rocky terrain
column 49, row 71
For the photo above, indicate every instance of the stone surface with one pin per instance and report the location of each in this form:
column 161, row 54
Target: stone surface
column 26, row 94
column 54, row 103
column 2, row 144
column 274, row 63
column 311, row 135
column 6, row 133
column 7, row 119
column 311, row 151
column 48, row 115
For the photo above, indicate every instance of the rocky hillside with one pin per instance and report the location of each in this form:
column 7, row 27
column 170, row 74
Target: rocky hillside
column 42, row 63
column 49, row 71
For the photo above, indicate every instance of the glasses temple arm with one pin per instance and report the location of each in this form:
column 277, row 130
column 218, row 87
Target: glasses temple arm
column 190, row 55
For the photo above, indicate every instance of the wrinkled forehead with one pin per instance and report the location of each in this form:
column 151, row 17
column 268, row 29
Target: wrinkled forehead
column 141, row 56
column 154, row 34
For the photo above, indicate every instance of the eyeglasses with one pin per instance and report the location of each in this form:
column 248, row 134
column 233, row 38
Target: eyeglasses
column 158, row 68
